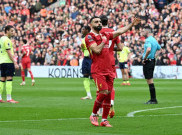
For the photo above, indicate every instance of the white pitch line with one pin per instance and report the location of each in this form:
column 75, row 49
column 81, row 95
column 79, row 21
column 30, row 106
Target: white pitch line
column 159, row 115
column 83, row 118
column 131, row 114
column 44, row 120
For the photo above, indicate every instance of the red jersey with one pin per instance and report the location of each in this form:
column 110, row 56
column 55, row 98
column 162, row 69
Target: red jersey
column 27, row 50
column 111, row 43
column 101, row 63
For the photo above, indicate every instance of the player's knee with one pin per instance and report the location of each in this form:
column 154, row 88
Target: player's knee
column 104, row 91
column 150, row 81
column 9, row 78
column 3, row 79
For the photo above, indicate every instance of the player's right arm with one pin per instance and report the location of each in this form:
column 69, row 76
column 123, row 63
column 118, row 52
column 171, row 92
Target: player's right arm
column 11, row 56
column 158, row 47
column 93, row 45
column 126, row 28
column 118, row 44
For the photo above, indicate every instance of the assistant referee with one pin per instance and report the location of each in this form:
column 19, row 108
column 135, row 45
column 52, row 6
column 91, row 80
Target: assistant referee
column 150, row 47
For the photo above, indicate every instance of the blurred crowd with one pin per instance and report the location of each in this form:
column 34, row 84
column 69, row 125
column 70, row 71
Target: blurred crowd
column 54, row 33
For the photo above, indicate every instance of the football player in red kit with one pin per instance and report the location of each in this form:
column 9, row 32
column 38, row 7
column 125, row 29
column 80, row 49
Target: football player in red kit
column 112, row 48
column 101, row 69
column 26, row 62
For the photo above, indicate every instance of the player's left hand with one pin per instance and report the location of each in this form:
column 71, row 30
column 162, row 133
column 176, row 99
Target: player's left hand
column 136, row 21
column 104, row 39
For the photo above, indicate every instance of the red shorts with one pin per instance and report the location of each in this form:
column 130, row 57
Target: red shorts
column 26, row 63
column 103, row 81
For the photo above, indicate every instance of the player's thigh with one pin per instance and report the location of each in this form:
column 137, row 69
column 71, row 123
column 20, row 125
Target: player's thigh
column 28, row 65
column 24, row 64
column 86, row 66
column 125, row 65
column 110, row 82
column 121, row 65
column 100, row 81
column 3, row 70
column 7, row 69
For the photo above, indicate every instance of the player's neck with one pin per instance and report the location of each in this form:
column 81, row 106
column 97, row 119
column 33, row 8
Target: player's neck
column 150, row 34
column 95, row 32
column 105, row 26
column 7, row 35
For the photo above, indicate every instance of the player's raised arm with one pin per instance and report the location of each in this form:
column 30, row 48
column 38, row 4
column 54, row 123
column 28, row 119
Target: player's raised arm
column 119, row 47
column 126, row 28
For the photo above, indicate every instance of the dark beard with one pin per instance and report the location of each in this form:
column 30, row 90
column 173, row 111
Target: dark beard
column 98, row 28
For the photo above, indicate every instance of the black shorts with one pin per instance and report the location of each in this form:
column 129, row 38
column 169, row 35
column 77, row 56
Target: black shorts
column 148, row 68
column 86, row 65
column 7, row 69
column 123, row 65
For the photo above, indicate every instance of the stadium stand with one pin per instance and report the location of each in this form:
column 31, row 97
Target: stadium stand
column 54, row 33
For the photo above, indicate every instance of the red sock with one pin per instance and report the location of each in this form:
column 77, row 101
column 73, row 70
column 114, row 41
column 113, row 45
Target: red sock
column 106, row 106
column 100, row 98
column 31, row 74
column 23, row 75
column 112, row 94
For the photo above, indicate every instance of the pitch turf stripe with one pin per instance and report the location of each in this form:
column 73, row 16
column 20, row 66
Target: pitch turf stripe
column 83, row 118
column 131, row 114
column 44, row 120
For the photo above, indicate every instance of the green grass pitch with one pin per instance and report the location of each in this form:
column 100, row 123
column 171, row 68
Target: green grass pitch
column 53, row 107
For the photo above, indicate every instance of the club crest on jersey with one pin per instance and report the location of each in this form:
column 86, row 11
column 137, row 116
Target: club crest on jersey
column 90, row 38
column 100, row 85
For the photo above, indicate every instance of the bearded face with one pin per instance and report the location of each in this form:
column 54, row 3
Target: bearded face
column 97, row 28
column 96, row 24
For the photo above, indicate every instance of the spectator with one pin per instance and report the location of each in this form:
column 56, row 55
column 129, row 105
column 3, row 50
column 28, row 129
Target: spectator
column 43, row 11
column 179, row 60
column 38, row 5
column 74, row 61
column 7, row 8
column 48, row 58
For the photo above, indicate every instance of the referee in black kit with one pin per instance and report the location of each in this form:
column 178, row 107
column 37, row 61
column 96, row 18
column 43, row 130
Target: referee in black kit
column 150, row 47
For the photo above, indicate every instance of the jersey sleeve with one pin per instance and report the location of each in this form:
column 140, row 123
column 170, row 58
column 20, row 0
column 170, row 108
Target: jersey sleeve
column 7, row 44
column 148, row 44
column 158, row 47
column 128, row 50
column 89, row 40
column 117, row 40
column 110, row 35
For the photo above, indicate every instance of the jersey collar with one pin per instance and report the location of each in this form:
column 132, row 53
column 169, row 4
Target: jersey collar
column 95, row 33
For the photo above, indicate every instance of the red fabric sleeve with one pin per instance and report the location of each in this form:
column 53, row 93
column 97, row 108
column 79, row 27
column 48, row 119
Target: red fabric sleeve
column 110, row 35
column 116, row 40
column 89, row 40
